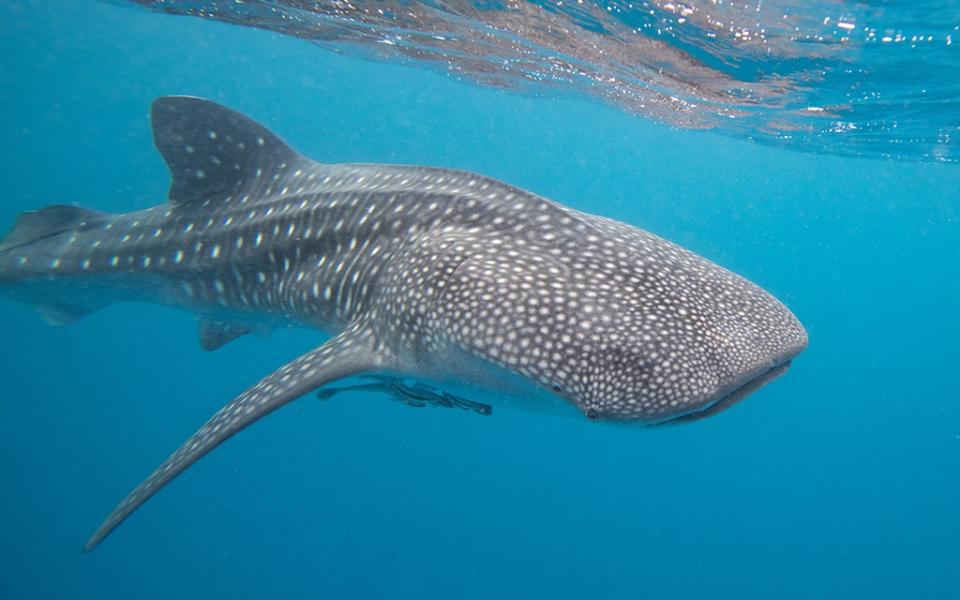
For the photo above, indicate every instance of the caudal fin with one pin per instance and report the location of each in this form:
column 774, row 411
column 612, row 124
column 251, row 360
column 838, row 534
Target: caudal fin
column 38, row 225
column 27, row 252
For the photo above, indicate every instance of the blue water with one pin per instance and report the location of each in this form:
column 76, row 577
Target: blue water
column 839, row 480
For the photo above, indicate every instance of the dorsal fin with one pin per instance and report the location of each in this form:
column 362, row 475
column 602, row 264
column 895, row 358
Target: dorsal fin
column 212, row 151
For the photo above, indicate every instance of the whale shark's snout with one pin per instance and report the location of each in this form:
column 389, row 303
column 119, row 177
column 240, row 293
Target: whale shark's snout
column 737, row 389
column 673, row 388
column 759, row 355
column 691, row 343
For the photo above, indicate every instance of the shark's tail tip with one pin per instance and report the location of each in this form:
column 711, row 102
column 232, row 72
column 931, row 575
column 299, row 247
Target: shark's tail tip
column 94, row 540
column 36, row 225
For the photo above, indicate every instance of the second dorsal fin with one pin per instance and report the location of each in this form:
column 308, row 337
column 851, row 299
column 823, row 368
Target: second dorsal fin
column 215, row 334
column 212, row 151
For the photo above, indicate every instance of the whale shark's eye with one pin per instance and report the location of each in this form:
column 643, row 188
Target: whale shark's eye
column 592, row 414
column 556, row 389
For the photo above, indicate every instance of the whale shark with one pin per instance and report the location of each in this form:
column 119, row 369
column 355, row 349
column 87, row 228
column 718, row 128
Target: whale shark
column 420, row 273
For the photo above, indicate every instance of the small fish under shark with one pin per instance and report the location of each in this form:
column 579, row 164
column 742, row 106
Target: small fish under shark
column 416, row 272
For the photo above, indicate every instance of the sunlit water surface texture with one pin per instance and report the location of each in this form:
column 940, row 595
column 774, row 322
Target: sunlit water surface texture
column 805, row 145
column 870, row 79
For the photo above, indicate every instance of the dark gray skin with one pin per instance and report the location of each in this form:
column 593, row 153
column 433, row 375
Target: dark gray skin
column 419, row 272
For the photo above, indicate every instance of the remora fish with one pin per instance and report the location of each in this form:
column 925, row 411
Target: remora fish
column 418, row 272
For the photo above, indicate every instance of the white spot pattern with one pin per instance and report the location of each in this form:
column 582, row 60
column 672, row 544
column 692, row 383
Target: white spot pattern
column 413, row 263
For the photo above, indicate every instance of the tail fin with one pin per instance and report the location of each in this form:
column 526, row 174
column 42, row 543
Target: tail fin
column 24, row 247
column 47, row 222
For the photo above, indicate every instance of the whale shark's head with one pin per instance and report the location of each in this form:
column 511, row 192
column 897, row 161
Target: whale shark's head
column 674, row 341
column 623, row 325
column 681, row 361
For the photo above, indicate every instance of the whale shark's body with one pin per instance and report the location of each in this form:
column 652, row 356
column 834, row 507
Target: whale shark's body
column 419, row 272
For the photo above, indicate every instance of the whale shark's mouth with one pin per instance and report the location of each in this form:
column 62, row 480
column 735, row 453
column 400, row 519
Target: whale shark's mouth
column 750, row 384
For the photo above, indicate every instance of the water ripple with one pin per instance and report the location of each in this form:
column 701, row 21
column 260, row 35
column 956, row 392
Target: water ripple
column 871, row 78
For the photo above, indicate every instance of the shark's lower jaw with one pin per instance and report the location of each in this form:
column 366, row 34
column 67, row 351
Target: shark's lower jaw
column 738, row 393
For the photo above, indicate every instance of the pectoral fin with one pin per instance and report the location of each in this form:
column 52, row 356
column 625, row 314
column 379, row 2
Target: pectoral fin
column 353, row 351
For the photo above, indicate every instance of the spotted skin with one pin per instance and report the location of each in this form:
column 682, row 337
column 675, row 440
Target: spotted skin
column 422, row 272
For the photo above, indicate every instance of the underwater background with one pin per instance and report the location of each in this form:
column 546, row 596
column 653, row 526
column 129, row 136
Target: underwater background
column 839, row 480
